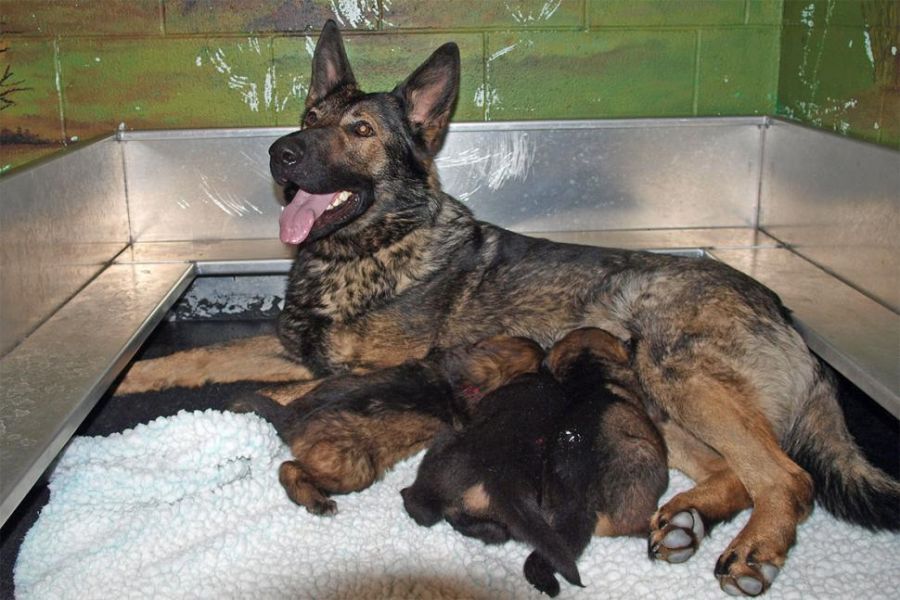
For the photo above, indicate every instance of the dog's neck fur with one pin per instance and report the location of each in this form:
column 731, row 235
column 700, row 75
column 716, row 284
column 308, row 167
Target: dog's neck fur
column 394, row 252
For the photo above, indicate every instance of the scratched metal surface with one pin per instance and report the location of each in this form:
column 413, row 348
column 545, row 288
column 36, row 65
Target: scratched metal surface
column 836, row 202
column 528, row 176
column 853, row 333
column 62, row 221
column 53, row 378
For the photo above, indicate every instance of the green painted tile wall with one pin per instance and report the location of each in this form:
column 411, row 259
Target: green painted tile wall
column 83, row 68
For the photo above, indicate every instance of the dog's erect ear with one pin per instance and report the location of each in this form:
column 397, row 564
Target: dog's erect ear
column 429, row 95
column 330, row 67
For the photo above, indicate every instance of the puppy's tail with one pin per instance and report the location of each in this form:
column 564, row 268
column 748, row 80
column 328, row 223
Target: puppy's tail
column 526, row 523
column 847, row 485
column 276, row 414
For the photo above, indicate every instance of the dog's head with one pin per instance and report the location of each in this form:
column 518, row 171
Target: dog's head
column 343, row 170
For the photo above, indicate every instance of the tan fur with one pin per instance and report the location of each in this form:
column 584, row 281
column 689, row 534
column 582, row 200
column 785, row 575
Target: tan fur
column 226, row 363
column 476, row 500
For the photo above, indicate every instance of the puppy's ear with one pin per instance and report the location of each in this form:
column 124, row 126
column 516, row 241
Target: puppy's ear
column 429, row 96
column 330, row 67
column 422, row 505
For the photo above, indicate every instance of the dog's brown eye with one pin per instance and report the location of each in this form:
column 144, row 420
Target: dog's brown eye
column 311, row 118
column 363, row 130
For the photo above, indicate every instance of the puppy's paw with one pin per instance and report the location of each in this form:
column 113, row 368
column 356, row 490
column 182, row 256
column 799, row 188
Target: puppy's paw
column 745, row 576
column 299, row 489
column 540, row 574
column 323, row 507
column 675, row 538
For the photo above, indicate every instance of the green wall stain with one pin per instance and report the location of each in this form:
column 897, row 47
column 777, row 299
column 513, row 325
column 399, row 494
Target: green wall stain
column 81, row 17
column 725, row 86
column 650, row 13
column 259, row 16
column 483, row 14
column 840, row 67
column 586, row 74
column 173, row 83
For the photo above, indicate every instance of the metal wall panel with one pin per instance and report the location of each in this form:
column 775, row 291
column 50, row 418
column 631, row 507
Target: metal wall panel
column 528, row 176
column 62, row 221
column 608, row 175
column 835, row 202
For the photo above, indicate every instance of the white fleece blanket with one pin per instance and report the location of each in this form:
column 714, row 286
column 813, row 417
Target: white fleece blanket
column 190, row 507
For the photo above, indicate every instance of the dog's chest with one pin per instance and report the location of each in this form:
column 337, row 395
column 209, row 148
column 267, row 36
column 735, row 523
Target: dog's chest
column 345, row 290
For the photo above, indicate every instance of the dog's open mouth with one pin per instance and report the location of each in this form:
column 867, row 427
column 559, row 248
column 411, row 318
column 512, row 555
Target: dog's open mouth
column 307, row 211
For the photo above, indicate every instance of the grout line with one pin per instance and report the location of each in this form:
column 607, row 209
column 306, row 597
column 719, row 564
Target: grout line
column 57, row 67
column 484, row 76
column 695, row 105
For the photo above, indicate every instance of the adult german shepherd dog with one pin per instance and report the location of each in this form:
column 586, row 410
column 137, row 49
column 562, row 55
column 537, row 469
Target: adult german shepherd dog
column 390, row 266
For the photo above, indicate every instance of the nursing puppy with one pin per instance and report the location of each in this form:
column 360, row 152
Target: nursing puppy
column 606, row 467
column 486, row 480
column 347, row 431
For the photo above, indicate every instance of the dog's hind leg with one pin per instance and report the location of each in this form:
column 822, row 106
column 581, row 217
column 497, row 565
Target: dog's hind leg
column 676, row 531
column 720, row 408
column 259, row 358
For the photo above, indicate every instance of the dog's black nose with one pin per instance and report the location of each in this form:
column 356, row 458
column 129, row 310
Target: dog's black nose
column 285, row 152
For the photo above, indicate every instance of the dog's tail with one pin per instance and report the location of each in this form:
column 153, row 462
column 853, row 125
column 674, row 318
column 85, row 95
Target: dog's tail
column 523, row 517
column 847, row 485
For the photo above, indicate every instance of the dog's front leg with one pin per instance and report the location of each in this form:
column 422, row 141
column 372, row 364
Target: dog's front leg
column 260, row 358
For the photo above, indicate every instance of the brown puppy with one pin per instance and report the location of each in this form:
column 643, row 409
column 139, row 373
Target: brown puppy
column 486, row 480
column 347, row 431
column 606, row 466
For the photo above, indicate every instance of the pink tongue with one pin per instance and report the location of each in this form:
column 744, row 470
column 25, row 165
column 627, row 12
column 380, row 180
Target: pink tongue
column 298, row 217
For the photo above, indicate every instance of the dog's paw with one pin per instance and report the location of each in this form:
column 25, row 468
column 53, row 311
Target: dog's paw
column 675, row 538
column 744, row 576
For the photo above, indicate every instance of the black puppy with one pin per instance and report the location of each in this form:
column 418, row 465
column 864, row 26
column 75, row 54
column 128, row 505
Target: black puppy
column 487, row 479
column 606, row 467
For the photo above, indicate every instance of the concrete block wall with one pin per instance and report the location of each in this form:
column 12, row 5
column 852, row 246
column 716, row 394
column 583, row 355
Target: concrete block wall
column 77, row 69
